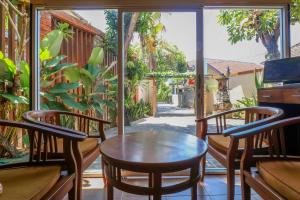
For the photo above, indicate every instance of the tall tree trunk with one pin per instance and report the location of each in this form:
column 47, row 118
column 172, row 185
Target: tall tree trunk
column 128, row 37
column 270, row 42
column 129, row 34
column 143, row 46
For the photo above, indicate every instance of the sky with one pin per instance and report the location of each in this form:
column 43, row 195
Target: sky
column 181, row 31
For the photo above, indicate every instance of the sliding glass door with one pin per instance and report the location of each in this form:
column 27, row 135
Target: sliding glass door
column 237, row 42
column 78, row 64
column 159, row 71
column 163, row 71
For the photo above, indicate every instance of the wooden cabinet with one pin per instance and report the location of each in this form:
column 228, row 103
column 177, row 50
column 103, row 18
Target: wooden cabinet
column 286, row 97
column 289, row 95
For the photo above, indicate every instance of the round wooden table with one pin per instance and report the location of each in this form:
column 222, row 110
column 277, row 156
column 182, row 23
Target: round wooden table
column 152, row 153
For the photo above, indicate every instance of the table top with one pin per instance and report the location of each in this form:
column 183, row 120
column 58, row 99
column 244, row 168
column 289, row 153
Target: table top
column 153, row 148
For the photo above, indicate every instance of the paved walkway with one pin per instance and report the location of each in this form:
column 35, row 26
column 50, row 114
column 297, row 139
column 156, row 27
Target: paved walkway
column 169, row 119
column 172, row 110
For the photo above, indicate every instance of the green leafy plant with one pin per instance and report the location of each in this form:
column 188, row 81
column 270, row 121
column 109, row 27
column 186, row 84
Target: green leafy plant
column 7, row 73
column 138, row 110
column 96, row 81
column 164, row 92
column 14, row 75
column 244, row 103
column 56, row 96
column 258, row 24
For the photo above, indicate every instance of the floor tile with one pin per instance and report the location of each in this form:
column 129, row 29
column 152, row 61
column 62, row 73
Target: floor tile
column 213, row 188
column 224, row 197
column 188, row 198
column 217, row 185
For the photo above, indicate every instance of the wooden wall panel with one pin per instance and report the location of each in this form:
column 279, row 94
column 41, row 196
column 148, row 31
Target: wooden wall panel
column 2, row 29
column 12, row 38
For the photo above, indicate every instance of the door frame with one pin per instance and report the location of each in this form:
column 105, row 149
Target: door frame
column 35, row 99
column 199, row 59
column 199, row 10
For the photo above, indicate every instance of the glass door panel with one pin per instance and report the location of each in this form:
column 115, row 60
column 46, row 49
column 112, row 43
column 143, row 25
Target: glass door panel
column 160, row 71
column 78, row 65
column 236, row 44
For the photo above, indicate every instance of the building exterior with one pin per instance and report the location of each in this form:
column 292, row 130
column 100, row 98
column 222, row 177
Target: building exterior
column 241, row 82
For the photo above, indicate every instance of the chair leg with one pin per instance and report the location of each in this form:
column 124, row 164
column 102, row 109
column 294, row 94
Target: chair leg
column 230, row 183
column 79, row 181
column 110, row 192
column 72, row 192
column 194, row 192
column 103, row 173
column 246, row 191
column 203, row 164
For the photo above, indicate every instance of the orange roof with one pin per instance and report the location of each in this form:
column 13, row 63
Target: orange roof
column 236, row 67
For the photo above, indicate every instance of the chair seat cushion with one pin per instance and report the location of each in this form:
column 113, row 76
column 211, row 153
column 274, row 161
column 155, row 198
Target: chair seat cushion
column 24, row 183
column 85, row 146
column 222, row 143
column 88, row 144
column 282, row 176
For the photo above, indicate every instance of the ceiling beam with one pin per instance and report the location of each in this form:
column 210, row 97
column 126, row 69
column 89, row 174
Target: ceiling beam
column 155, row 4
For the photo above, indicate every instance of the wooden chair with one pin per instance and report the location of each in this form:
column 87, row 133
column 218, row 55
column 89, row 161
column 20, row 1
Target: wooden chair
column 219, row 145
column 76, row 124
column 277, row 174
column 42, row 176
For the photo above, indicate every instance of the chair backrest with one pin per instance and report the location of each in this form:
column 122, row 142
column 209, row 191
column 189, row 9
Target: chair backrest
column 256, row 116
column 39, row 140
column 273, row 133
column 67, row 121
column 253, row 114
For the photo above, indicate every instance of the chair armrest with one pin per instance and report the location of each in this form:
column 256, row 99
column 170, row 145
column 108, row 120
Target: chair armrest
column 44, row 130
column 43, row 145
column 273, row 131
column 57, row 127
column 266, row 127
column 33, row 117
column 251, row 125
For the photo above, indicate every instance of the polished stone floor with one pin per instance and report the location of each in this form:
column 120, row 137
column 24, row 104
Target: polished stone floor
column 213, row 188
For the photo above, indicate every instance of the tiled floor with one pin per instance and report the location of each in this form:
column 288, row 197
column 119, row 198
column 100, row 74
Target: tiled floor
column 213, row 188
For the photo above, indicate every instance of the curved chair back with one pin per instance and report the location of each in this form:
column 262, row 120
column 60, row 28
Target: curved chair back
column 41, row 146
column 43, row 153
column 67, row 121
column 254, row 116
column 273, row 132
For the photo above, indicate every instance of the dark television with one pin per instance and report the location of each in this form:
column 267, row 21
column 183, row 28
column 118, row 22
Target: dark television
column 283, row 70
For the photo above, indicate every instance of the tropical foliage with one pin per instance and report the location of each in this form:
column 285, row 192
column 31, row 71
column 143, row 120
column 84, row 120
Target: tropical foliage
column 14, row 77
column 138, row 110
column 260, row 24
column 164, row 92
column 244, row 103
column 94, row 79
column 170, row 58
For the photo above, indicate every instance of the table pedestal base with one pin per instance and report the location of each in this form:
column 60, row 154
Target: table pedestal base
column 113, row 175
